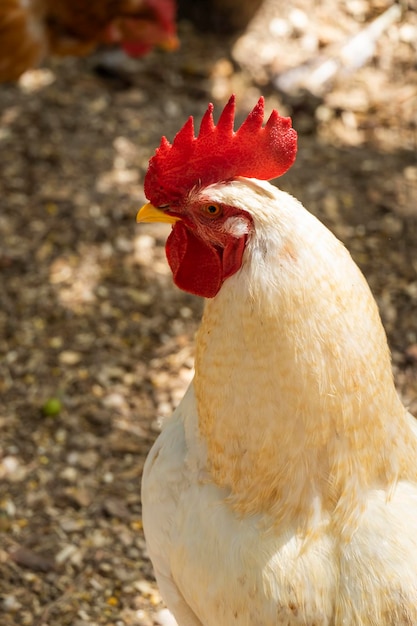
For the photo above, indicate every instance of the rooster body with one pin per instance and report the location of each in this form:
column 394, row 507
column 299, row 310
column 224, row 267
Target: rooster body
column 284, row 488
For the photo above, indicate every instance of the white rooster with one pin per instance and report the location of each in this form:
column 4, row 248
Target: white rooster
column 283, row 491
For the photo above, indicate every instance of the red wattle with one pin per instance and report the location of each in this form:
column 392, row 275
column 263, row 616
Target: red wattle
column 197, row 267
column 136, row 49
column 232, row 255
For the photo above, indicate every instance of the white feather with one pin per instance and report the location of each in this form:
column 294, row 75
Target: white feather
column 284, row 489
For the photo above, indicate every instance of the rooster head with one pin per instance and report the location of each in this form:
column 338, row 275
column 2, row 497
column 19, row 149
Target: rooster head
column 208, row 238
column 142, row 25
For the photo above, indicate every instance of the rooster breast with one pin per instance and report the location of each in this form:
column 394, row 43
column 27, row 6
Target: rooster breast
column 212, row 567
column 215, row 568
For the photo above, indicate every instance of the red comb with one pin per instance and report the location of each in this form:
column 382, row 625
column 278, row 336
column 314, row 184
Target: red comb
column 219, row 153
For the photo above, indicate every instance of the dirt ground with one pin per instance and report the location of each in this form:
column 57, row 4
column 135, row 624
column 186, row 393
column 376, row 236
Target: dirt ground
column 96, row 343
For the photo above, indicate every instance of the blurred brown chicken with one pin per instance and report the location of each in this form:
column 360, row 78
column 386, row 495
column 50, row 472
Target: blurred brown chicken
column 30, row 30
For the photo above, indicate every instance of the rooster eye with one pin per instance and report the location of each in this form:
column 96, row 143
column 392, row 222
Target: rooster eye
column 212, row 210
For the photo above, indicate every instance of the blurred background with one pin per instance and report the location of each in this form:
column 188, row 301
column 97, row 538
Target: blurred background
column 96, row 344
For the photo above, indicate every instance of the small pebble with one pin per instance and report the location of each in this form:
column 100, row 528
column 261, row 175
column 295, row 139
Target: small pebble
column 69, row 357
column 164, row 617
column 52, row 407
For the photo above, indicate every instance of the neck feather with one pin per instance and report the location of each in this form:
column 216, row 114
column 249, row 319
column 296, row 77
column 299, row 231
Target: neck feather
column 294, row 388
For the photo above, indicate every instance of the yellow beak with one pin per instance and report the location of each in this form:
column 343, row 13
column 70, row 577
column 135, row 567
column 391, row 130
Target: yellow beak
column 149, row 213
